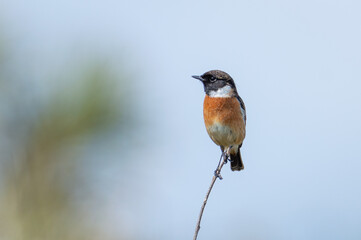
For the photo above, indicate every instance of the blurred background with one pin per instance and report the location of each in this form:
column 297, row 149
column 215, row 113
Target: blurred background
column 101, row 125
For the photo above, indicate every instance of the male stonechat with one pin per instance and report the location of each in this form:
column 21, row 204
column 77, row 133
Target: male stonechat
column 224, row 114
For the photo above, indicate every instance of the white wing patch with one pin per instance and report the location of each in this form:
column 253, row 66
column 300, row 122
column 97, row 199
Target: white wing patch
column 243, row 109
column 243, row 114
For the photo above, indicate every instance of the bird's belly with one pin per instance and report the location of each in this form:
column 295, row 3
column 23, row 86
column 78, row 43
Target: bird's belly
column 223, row 135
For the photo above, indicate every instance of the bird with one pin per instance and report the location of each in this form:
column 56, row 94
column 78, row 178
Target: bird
column 224, row 114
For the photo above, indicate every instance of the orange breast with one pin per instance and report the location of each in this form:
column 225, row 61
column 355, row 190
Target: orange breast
column 224, row 112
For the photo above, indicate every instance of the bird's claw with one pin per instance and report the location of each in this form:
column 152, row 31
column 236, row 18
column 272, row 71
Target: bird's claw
column 225, row 157
column 217, row 174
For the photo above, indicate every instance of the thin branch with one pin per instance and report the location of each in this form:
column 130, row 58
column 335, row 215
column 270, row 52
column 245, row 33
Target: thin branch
column 217, row 174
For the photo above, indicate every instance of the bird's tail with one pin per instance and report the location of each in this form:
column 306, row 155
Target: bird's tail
column 236, row 161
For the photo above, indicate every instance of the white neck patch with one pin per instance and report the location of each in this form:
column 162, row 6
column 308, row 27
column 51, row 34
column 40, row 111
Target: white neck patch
column 224, row 92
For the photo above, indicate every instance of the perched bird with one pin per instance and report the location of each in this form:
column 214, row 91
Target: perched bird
column 224, row 114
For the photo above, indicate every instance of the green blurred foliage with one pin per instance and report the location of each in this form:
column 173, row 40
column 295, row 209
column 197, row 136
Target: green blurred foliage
column 79, row 110
column 38, row 179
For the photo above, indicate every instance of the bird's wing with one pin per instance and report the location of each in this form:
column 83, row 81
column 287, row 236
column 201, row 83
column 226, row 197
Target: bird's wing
column 243, row 108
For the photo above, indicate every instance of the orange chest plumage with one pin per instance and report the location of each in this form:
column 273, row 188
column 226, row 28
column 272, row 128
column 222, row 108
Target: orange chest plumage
column 226, row 111
column 224, row 120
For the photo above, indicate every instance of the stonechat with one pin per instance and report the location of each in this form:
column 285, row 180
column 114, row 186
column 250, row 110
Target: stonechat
column 224, row 114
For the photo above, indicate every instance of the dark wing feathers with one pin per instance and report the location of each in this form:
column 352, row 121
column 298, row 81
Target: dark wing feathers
column 243, row 108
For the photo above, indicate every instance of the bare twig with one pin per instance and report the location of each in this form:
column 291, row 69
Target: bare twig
column 217, row 174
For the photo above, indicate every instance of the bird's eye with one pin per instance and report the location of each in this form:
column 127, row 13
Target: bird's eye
column 212, row 79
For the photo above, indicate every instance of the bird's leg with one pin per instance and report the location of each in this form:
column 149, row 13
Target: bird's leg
column 216, row 172
column 225, row 156
column 228, row 154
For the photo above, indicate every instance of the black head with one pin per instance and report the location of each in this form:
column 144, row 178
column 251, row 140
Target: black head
column 216, row 79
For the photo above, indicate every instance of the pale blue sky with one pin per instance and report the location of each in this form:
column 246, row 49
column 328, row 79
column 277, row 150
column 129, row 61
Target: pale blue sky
column 296, row 65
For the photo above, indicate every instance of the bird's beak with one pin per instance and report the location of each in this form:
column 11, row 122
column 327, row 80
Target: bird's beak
column 198, row 77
